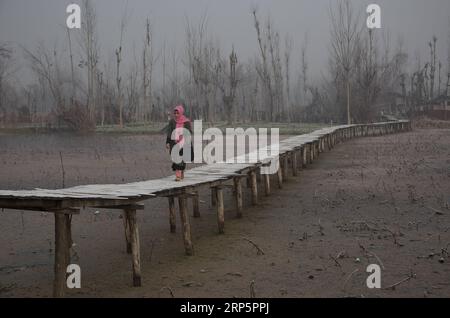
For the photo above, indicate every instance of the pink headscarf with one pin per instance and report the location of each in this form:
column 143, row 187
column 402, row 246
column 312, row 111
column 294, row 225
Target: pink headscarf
column 180, row 124
column 181, row 118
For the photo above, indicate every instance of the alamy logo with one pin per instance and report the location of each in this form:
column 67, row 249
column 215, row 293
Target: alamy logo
column 374, row 18
column 74, row 277
column 229, row 148
column 374, row 279
column 74, row 19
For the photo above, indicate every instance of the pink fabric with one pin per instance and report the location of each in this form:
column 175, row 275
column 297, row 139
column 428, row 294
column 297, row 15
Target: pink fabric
column 180, row 124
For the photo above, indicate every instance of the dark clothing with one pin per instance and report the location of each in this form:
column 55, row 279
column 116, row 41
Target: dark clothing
column 171, row 127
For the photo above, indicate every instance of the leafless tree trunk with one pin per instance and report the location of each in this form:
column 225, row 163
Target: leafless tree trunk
column 345, row 34
column 123, row 23
column 287, row 61
column 90, row 46
column 72, row 70
column 304, row 67
column 432, row 46
column 147, row 64
column 264, row 72
column 5, row 72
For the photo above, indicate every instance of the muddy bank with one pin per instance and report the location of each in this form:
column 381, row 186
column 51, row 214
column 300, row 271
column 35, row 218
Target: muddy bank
column 377, row 200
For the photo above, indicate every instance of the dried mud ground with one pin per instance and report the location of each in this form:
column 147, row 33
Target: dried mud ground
column 382, row 200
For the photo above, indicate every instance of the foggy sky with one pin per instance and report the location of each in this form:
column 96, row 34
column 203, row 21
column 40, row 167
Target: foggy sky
column 27, row 22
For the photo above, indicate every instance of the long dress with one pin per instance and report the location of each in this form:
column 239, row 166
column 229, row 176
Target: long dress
column 172, row 143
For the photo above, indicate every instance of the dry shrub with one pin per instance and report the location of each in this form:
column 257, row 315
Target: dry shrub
column 76, row 117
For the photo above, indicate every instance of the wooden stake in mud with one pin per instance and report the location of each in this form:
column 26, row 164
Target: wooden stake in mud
column 126, row 226
column 254, row 187
column 305, row 155
column 294, row 163
column 266, row 184
column 196, row 204
column 220, row 211
column 135, row 246
column 62, row 253
column 316, row 149
column 280, row 174
column 213, row 197
column 238, row 196
column 185, row 225
column 301, row 161
column 285, row 166
column 172, row 218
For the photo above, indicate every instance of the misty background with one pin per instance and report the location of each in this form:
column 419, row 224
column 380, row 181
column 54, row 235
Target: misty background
column 26, row 25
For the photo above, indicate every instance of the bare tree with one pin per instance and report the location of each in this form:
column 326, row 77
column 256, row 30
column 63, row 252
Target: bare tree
column 263, row 71
column 45, row 65
column 5, row 71
column 287, row 67
column 89, row 45
column 72, row 68
column 147, row 64
column 304, row 69
column 345, row 34
column 227, row 82
column 366, row 69
column 448, row 61
column 432, row 46
column 118, row 52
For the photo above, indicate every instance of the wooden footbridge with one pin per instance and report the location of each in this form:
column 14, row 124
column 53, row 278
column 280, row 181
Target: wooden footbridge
column 294, row 154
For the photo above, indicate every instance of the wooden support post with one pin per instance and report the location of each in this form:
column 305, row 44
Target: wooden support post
column 258, row 175
column 172, row 218
column 213, row 197
column 294, row 163
column 221, row 210
column 238, row 196
column 310, row 153
column 315, row 150
column 135, row 246
column 196, row 204
column 301, row 159
column 254, row 187
column 266, row 184
column 126, row 226
column 280, row 174
column 62, row 253
column 285, row 166
column 185, row 225
column 304, row 155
